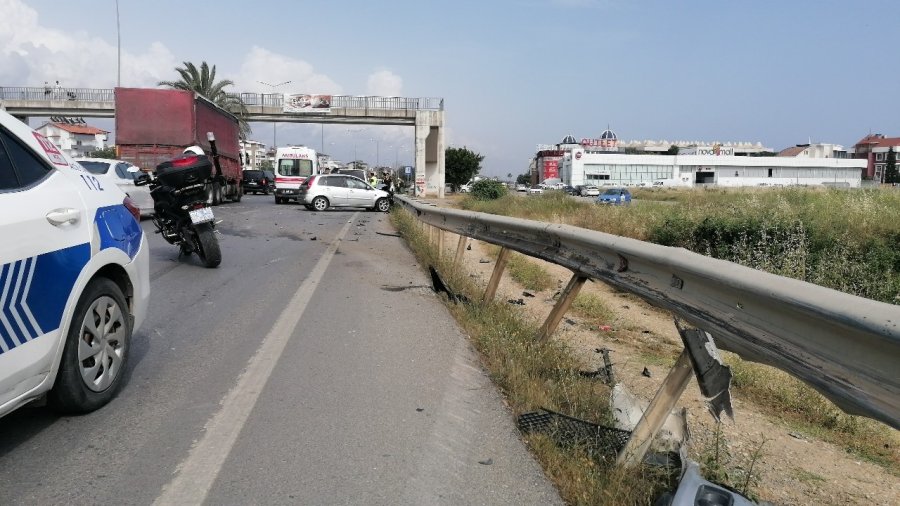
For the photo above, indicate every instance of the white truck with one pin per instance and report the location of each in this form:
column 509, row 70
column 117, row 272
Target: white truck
column 672, row 183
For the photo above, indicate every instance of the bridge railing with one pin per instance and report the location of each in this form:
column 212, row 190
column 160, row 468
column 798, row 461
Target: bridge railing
column 253, row 99
column 351, row 102
column 846, row 347
column 33, row 93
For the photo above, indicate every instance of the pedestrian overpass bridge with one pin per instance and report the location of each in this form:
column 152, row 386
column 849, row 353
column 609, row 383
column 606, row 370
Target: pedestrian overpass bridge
column 425, row 114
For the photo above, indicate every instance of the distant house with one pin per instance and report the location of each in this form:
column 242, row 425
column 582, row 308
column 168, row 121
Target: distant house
column 874, row 148
column 817, row 150
column 75, row 140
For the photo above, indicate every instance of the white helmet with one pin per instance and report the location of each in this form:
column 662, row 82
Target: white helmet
column 197, row 150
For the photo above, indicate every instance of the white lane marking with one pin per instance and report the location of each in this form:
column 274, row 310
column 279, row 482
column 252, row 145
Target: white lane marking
column 195, row 476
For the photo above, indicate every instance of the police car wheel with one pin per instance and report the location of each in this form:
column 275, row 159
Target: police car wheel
column 96, row 350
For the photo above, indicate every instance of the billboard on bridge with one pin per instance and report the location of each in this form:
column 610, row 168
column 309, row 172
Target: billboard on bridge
column 301, row 103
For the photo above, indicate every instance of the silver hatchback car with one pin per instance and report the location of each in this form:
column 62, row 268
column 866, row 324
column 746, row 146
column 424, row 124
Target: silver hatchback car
column 340, row 190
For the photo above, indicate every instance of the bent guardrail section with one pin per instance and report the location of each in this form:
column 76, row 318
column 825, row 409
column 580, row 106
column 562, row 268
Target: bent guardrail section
column 846, row 347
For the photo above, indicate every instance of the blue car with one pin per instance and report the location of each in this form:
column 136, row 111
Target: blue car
column 615, row 197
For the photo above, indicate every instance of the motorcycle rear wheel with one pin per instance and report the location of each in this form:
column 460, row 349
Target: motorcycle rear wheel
column 208, row 245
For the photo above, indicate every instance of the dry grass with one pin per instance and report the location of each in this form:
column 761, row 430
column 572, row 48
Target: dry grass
column 782, row 396
column 533, row 376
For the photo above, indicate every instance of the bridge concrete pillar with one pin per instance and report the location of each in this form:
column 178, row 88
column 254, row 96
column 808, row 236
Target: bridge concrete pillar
column 429, row 180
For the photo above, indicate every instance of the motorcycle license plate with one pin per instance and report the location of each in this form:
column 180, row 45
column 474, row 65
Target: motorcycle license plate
column 201, row 215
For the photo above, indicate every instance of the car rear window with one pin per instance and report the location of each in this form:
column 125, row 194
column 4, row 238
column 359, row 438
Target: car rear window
column 253, row 174
column 95, row 167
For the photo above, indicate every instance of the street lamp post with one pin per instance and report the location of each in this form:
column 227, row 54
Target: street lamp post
column 118, row 48
column 274, row 123
column 376, row 152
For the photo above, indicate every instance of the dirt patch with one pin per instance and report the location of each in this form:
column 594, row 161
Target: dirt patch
column 792, row 468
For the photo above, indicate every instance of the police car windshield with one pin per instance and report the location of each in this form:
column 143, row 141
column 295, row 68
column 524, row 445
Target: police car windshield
column 95, row 167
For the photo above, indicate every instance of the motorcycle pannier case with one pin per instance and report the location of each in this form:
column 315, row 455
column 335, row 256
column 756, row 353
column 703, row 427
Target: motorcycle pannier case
column 184, row 171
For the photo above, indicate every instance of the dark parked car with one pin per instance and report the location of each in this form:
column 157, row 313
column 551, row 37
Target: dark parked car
column 570, row 190
column 258, row 181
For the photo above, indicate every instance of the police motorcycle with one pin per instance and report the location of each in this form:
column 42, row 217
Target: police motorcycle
column 182, row 214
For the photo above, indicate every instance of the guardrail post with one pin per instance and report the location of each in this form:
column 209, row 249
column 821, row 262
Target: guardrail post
column 562, row 305
column 657, row 412
column 440, row 241
column 492, row 285
column 460, row 250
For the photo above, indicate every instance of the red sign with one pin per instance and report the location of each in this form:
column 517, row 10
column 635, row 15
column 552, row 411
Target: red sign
column 52, row 152
column 551, row 168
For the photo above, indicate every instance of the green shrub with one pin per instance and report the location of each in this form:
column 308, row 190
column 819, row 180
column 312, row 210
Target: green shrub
column 488, row 189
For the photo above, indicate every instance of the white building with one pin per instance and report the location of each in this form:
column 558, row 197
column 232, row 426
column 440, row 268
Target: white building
column 741, row 148
column 253, row 154
column 74, row 139
column 579, row 167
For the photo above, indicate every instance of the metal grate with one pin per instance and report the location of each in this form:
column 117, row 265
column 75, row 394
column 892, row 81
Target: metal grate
column 572, row 431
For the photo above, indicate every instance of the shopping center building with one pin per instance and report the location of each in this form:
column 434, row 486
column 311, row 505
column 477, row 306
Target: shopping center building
column 585, row 163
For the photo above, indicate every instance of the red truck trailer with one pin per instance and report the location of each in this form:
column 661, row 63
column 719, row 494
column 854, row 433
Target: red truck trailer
column 155, row 125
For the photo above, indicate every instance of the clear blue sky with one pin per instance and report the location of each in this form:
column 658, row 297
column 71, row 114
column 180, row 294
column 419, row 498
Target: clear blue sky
column 513, row 73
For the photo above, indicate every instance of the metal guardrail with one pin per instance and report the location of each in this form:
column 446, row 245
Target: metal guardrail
column 253, row 99
column 846, row 347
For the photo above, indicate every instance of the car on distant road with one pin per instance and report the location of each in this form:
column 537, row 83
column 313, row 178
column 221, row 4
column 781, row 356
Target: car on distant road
column 121, row 174
column 74, row 276
column 589, row 190
column 615, row 197
column 320, row 192
column 535, row 190
column 521, row 188
column 465, row 188
column 570, row 190
column 258, row 181
column 358, row 173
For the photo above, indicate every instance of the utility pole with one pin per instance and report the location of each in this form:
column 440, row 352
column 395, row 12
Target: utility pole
column 274, row 123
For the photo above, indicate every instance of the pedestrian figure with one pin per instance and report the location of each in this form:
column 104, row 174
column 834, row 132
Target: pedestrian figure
column 57, row 89
column 47, row 88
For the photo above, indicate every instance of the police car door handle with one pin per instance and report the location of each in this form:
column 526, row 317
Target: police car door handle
column 59, row 217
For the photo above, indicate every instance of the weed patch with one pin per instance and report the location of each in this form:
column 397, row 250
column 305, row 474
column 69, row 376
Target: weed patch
column 532, row 376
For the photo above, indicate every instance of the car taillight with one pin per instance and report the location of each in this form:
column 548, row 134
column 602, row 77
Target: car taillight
column 186, row 160
column 133, row 209
column 265, row 181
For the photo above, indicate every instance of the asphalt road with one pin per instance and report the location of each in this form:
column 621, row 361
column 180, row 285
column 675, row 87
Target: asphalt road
column 314, row 366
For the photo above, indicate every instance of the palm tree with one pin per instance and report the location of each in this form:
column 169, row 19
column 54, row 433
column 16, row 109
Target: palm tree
column 204, row 83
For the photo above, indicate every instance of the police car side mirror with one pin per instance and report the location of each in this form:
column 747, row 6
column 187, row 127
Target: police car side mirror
column 142, row 180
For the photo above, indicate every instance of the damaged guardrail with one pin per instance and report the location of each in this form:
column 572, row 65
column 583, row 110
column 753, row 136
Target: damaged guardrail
column 846, row 347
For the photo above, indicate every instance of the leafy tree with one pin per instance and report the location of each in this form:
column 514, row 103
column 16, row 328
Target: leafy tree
column 107, row 152
column 204, row 82
column 891, row 174
column 460, row 166
column 266, row 165
column 523, row 178
column 673, row 150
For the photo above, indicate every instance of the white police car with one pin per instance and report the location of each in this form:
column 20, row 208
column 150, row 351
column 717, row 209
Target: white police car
column 74, row 277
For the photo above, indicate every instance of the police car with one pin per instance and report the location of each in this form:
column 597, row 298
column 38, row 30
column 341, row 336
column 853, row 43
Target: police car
column 74, row 277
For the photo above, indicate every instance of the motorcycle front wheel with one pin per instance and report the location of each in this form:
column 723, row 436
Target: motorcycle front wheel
column 207, row 245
